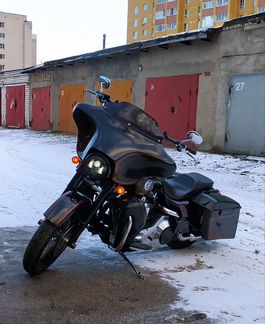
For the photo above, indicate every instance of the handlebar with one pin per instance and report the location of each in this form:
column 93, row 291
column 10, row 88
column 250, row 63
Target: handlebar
column 102, row 97
column 180, row 145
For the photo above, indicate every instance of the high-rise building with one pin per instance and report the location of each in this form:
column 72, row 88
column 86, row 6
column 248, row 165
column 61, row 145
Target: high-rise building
column 149, row 19
column 17, row 43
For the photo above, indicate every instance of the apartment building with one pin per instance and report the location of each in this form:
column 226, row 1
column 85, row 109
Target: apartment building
column 17, row 43
column 155, row 18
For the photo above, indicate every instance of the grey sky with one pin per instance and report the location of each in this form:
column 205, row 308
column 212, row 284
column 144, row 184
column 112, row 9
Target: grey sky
column 66, row 28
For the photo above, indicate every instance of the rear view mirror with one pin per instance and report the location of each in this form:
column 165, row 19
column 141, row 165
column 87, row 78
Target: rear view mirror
column 104, row 82
column 194, row 137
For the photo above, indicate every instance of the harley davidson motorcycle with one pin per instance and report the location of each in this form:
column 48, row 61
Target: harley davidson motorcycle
column 127, row 191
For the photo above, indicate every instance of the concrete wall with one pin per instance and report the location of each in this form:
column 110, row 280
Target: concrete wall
column 238, row 49
column 241, row 50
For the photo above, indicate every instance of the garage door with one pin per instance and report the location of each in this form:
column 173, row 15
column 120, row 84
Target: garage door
column 172, row 101
column 15, row 106
column 41, row 108
column 70, row 95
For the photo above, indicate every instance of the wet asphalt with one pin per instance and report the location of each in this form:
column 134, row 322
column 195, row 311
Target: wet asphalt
column 80, row 288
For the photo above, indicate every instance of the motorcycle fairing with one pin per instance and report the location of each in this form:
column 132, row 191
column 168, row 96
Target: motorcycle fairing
column 120, row 136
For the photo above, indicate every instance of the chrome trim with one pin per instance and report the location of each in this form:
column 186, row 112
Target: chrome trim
column 124, row 238
column 150, row 237
column 188, row 238
column 170, row 212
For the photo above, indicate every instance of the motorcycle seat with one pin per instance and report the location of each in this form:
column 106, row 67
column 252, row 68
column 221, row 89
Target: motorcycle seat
column 183, row 186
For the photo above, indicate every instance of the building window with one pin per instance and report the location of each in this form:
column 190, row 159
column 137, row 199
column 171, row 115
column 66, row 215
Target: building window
column 172, row 11
column 2, row 24
column 186, row 13
column 261, row 9
column 222, row 3
column 2, row 45
column 2, row 67
column 160, row 28
column 145, row 7
column 136, row 10
column 186, row 27
column 135, row 35
column 242, row 3
column 221, row 17
column 208, row 5
column 2, row 56
column 170, row 0
column 160, row 1
column 145, row 20
column 161, row 14
column 172, row 25
column 207, row 21
column 135, row 23
column 144, row 33
column 2, row 35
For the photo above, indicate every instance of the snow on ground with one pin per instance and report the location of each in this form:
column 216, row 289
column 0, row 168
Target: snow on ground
column 223, row 278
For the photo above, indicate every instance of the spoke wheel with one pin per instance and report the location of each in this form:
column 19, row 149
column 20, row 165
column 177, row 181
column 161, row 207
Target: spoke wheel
column 46, row 245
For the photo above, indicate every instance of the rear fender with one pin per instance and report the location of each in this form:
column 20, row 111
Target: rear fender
column 64, row 207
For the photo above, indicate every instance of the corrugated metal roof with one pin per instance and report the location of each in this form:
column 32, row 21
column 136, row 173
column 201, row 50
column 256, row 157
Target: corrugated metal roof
column 127, row 49
column 164, row 42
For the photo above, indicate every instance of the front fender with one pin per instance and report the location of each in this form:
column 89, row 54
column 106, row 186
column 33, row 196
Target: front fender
column 64, row 207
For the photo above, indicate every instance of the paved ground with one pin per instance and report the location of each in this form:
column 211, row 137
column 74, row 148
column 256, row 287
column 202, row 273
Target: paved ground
column 82, row 289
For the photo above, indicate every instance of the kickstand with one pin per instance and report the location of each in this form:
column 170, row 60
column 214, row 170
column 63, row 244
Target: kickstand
column 138, row 273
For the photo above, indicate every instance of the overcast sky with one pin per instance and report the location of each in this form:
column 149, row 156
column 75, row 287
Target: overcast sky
column 66, row 28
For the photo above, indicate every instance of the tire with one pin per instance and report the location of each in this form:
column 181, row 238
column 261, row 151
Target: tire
column 46, row 245
column 176, row 244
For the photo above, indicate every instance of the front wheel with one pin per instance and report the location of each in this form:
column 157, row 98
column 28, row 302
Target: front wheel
column 46, row 245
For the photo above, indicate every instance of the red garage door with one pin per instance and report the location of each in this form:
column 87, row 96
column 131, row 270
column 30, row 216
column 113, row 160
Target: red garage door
column 0, row 106
column 41, row 108
column 15, row 106
column 172, row 101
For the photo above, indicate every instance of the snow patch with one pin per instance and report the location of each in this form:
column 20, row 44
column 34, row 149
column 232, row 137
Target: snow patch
column 223, row 279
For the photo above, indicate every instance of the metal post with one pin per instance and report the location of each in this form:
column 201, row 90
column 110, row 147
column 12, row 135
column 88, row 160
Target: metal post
column 104, row 41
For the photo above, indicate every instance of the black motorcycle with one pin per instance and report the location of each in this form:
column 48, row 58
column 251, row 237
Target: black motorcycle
column 127, row 191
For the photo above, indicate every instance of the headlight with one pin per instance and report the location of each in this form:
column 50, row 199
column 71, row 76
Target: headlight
column 97, row 167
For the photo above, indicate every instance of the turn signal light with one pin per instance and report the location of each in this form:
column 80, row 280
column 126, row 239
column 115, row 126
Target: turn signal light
column 75, row 159
column 120, row 190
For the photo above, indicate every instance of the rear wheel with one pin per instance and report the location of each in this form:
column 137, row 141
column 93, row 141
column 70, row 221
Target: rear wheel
column 46, row 245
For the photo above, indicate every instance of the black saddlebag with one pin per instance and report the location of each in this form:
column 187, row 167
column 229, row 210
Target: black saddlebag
column 219, row 215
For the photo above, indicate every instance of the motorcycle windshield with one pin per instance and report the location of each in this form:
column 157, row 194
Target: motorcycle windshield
column 136, row 118
column 118, row 130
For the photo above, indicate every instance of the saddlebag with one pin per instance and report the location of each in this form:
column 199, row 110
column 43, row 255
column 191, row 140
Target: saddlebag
column 219, row 215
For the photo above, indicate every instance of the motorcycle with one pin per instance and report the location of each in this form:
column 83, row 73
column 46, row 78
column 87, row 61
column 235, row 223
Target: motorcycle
column 127, row 191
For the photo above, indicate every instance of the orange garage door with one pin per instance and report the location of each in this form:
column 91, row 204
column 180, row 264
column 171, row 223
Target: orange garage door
column 120, row 90
column 70, row 95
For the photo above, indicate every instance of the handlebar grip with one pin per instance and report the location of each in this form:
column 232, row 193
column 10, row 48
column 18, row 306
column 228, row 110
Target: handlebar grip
column 190, row 150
